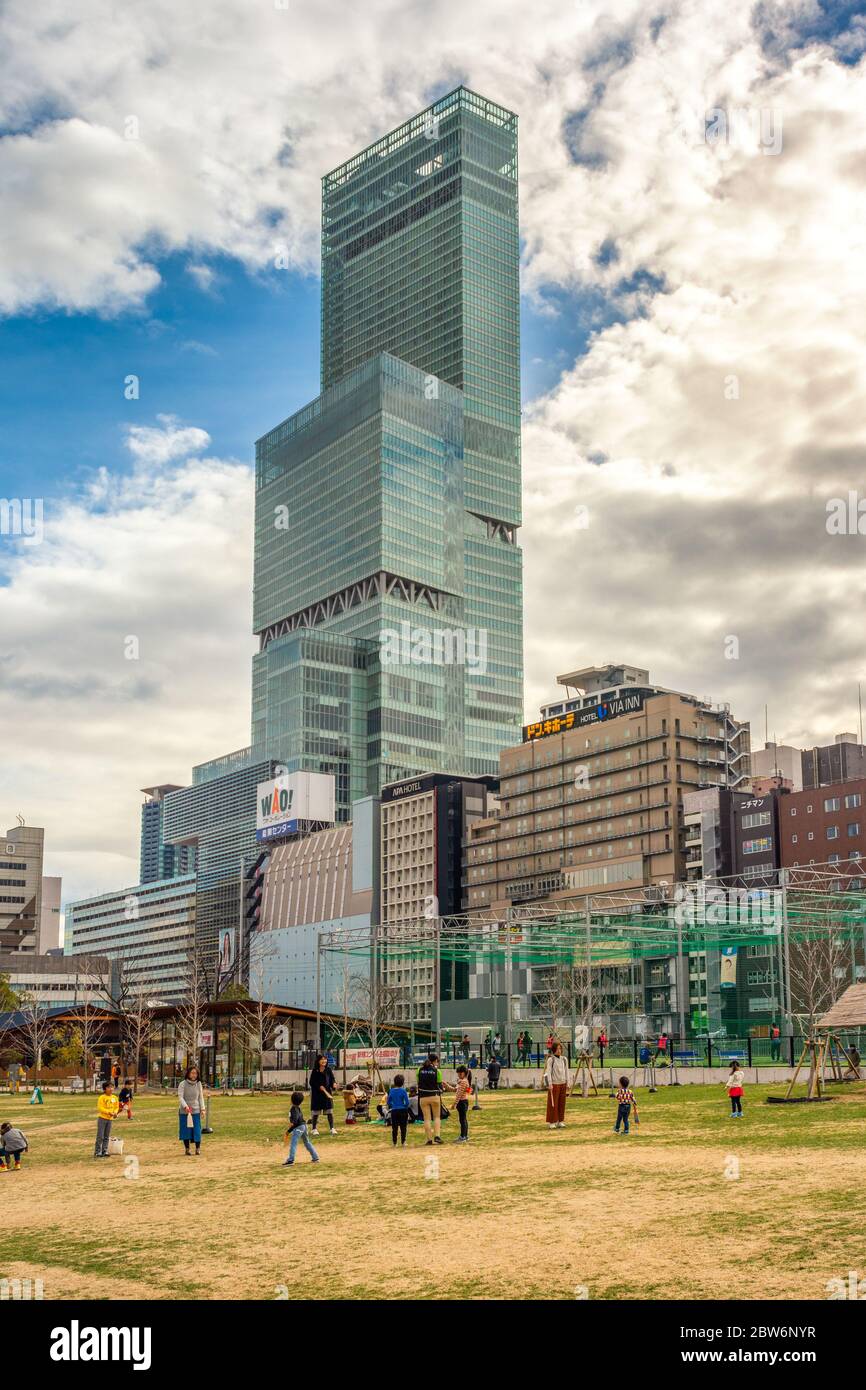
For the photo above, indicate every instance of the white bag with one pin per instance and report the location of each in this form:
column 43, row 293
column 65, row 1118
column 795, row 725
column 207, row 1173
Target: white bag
column 115, row 1146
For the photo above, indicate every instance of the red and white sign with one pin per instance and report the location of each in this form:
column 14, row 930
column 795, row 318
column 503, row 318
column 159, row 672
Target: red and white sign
column 363, row 1056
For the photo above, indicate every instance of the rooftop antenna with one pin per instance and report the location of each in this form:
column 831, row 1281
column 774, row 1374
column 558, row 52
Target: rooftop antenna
column 19, row 818
column 860, row 708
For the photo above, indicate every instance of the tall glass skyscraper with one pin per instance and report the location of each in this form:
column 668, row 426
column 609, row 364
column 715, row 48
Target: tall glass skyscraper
column 387, row 576
column 388, row 594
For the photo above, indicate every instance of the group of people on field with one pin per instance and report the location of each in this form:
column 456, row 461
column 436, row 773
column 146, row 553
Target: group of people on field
column 422, row 1103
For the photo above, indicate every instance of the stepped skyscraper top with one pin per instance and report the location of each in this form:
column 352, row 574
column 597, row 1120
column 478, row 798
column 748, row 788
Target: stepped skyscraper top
column 387, row 509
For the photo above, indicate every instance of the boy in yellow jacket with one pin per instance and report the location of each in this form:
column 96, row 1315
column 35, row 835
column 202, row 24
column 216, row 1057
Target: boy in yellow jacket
column 106, row 1108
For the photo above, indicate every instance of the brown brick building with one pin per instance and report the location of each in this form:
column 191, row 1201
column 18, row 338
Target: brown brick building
column 821, row 825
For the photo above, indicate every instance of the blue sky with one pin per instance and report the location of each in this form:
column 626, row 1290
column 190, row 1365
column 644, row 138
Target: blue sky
column 234, row 359
column 692, row 347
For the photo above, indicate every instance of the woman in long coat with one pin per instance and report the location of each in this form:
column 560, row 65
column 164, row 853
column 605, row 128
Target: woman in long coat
column 190, row 1095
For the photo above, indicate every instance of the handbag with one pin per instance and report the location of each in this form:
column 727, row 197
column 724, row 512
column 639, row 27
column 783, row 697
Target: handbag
column 444, row 1112
column 115, row 1146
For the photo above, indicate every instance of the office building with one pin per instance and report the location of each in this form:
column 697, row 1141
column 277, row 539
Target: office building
column 843, row 760
column 50, row 920
column 157, row 858
column 779, row 760
column 387, row 510
column 387, row 575
column 425, row 822
column 147, row 932
column 21, row 853
column 733, row 835
column 313, row 884
column 57, row 981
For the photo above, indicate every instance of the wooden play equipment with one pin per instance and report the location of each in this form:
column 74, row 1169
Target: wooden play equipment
column 824, row 1048
column 583, row 1074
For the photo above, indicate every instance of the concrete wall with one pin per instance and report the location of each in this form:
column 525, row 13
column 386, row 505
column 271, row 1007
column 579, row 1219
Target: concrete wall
column 530, row 1077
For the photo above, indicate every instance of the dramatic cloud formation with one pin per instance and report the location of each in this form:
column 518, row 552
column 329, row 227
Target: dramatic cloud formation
column 123, row 638
column 692, row 194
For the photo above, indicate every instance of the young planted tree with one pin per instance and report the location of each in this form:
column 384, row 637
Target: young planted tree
column 192, row 1012
column 819, row 965
column 35, row 1028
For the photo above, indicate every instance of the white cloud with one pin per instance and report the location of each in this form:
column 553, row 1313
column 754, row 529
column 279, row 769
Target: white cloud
column 717, row 408
column 163, row 558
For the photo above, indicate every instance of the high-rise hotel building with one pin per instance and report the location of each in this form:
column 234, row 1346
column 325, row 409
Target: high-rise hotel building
column 592, row 800
column 388, row 593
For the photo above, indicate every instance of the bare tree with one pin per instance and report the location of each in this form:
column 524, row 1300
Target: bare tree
column 347, row 998
column 137, row 1025
column 819, row 967
column 89, row 1027
column 553, row 996
column 126, row 988
column 35, row 1028
column 192, row 1011
column 256, row 1020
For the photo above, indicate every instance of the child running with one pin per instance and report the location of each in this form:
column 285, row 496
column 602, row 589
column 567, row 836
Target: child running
column 125, row 1100
column 625, row 1103
column 461, row 1101
column 398, row 1109
column 734, row 1083
column 12, row 1145
column 298, row 1130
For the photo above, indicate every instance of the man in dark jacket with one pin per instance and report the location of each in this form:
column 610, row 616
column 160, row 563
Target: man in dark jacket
column 494, row 1067
column 429, row 1099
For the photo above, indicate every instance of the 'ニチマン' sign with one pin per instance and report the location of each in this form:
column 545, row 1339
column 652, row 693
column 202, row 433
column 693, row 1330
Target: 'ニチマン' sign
column 577, row 718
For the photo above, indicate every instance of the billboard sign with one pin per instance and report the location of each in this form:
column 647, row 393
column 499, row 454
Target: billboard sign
column 228, row 951
column 284, row 802
column 728, row 968
column 630, row 703
column 363, row 1057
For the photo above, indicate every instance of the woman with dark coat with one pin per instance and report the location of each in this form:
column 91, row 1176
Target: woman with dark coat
column 322, row 1088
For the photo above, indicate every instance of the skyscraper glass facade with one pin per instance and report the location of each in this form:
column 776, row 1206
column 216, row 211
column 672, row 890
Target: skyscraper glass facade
column 393, row 500
column 387, row 577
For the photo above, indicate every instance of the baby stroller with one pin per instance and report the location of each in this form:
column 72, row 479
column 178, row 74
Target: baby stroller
column 356, row 1098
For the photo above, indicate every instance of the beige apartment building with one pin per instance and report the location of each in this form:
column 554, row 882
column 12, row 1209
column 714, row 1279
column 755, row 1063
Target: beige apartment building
column 21, row 851
column 592, row 800
column 425, row 821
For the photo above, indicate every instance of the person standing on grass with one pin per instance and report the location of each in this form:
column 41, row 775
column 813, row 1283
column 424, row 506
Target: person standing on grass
column 322, row 1088
column 494, row 1067
column 625, row 1103
column 106, row 1109
column 734, row 1083
column 430, row 1099
column 461, row 1101
column 190, row 1095
column 297, row 1130
column 398, row 1110
column 775, row 1042
column 602, row 1044
column 556, row 1079
column 527, row 1048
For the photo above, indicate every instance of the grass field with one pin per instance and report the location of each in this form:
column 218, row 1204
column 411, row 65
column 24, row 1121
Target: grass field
column 520, row 1212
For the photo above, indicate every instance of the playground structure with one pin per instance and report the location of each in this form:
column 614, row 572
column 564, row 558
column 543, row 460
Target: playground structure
column 808, row 920
column 823, row 1046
